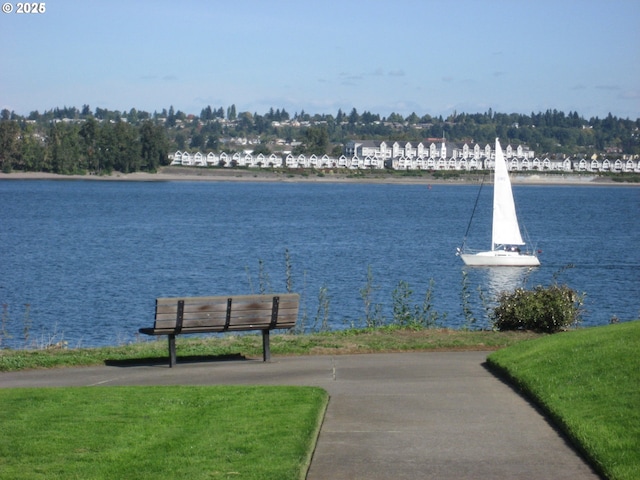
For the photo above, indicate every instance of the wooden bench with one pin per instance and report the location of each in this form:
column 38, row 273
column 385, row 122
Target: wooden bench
column 176, row 316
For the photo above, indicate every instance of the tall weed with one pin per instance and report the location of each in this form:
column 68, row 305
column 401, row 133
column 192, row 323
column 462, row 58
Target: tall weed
column 321, row 321
column 4, row 322
column 465, row 295
column 373, row 316
column 408, row 314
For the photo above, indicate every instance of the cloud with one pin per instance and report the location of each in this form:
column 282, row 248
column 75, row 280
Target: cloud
column 349, row 79
column 208, row 100
column 155, row 78
column 396, row 73
column 608, row 87
column 630, row 95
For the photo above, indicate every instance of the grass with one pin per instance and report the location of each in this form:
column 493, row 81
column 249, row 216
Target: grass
column 378, row 340
column 588, row 382
column 159, row 432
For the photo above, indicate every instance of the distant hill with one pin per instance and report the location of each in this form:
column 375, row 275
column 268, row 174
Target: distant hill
column 72, row 140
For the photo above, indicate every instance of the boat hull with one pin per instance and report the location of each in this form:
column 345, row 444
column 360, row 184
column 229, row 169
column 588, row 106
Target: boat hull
column 500, row 259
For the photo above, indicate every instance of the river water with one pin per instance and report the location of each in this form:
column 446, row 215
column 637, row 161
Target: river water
column 83, row 261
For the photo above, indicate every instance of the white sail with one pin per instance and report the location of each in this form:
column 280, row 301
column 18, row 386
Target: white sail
column 505, row 229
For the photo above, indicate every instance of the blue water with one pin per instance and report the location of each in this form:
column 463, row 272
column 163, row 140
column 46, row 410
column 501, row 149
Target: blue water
column 89, row 258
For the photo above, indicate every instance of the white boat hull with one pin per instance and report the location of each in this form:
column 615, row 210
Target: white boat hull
column 498, row 258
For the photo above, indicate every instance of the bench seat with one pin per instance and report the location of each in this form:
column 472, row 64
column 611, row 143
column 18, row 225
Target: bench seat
column 183, row 315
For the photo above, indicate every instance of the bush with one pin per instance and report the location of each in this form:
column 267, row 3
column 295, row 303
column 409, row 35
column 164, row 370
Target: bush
column 543, row 309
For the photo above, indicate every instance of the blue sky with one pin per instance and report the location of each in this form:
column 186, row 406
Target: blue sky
column 403, row 56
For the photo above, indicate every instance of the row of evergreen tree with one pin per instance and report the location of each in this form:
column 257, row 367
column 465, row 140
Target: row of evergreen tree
column 87, row 147
column 72, row 140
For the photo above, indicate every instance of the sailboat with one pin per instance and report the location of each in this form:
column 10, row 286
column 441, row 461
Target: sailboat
column 506, row 241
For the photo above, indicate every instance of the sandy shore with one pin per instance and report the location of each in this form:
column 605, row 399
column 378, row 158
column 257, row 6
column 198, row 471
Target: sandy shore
column 191, row 174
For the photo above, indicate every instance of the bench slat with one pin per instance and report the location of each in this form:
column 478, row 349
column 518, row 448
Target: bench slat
column 266, row 298
column 284, row 321
column 221, row 308
column 204, row 314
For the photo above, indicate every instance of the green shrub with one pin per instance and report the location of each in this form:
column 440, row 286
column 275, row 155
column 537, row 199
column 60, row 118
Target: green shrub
column 543, row 309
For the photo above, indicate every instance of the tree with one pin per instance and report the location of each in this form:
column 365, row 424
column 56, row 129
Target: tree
column 154, row 147
column 127, row 148
column 133, row 116
column 245, row 122
column 64, row 148
column 171, row 117
column 262, row 149
column 32, row 151
column 105, row 151
column 231, row 113
column 9, row 146
column 206, row 114
column 316, row 140
column 197, row 141
column 368, row 117
column 271, row 114
column 89, row 134
column 261, row 124
column 213, row 143
column 413, row 119
column 180, row 141
column 353, row 116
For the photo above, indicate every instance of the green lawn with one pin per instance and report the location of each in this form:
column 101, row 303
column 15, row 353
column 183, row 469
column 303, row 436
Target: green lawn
column 159, row 432
column 588, row 381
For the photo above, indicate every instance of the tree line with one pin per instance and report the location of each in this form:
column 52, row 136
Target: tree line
column 79, row 148
column 71, row 140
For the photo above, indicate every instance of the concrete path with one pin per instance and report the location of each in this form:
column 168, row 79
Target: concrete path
column 390, row 416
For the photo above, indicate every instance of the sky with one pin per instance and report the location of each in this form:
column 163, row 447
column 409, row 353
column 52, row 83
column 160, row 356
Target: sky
column 319, row 56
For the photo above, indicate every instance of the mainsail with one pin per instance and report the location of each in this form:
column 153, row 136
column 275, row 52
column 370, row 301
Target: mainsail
column 505, row 229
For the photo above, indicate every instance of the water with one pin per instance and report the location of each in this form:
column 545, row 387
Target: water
column 91, row 257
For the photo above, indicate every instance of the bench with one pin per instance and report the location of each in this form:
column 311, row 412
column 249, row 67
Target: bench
column 176, row 316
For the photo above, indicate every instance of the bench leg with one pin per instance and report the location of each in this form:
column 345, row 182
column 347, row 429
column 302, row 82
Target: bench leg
column 266, row 352
column 172, row 350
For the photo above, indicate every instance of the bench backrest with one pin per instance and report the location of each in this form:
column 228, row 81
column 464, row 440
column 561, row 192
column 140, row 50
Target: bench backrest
column 238, row 312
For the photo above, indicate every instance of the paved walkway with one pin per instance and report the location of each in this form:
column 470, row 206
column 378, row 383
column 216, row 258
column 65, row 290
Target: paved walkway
column 390, row 416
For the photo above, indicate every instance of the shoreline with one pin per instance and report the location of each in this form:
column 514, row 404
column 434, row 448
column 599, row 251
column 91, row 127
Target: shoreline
column 193, row 174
